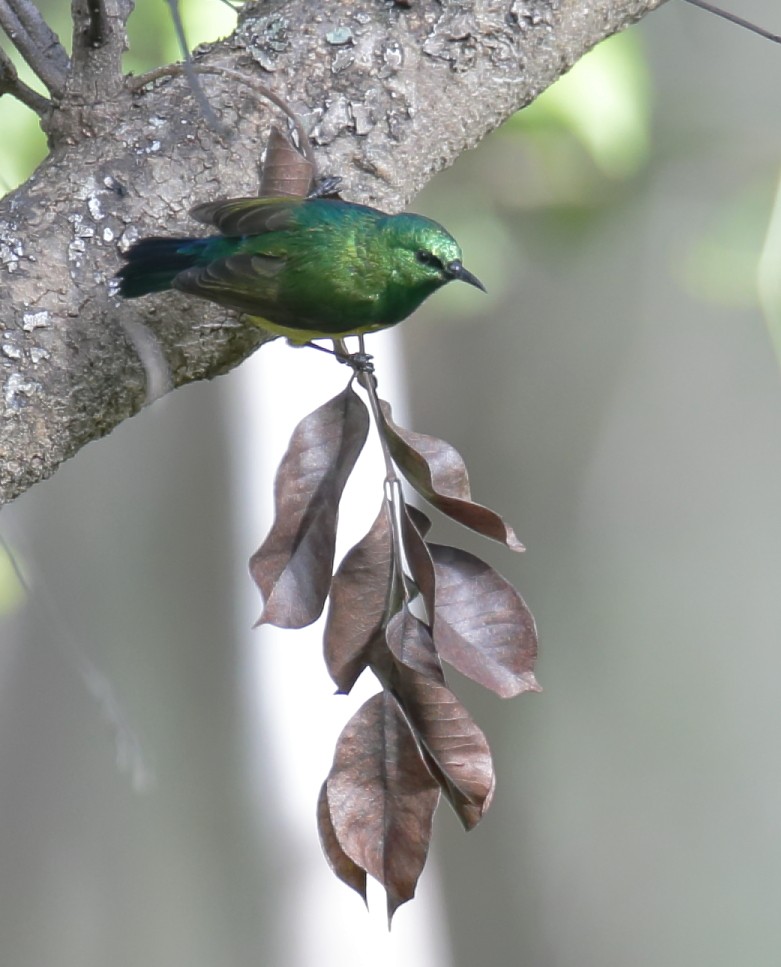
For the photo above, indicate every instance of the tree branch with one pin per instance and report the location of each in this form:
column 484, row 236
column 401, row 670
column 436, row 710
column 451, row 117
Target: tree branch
column 35, row 41
column 99, row 40
column 42, row 35
column 390, row 95
column 11, row 84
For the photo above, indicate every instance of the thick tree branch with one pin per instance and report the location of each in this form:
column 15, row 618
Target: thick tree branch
column 99, row 40
column 35, row 41
column 391, row 96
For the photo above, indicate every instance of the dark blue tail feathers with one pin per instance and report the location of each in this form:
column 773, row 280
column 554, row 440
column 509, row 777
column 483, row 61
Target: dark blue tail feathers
column 153, row 264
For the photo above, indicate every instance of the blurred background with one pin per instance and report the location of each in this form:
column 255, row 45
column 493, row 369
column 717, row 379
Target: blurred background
column 616, row 396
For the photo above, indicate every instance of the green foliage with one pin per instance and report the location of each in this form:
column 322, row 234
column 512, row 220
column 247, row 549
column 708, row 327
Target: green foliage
column 12, row 591
column 769, row 278
column 720, row 262
column 601, row 107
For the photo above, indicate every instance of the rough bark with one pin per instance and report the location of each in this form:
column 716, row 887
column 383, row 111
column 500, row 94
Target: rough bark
column 391, row 94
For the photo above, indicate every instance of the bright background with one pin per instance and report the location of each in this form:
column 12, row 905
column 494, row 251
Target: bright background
column 617, row 397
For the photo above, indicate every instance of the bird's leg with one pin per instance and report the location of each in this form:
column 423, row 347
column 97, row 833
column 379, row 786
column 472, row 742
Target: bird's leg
column 312, row 345
column 360, row 362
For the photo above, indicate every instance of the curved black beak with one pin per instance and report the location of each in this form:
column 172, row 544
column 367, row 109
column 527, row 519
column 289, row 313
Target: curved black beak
column 455, row 270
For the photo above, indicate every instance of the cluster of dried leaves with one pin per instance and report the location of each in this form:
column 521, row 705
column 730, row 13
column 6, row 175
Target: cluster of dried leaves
column 400, row 606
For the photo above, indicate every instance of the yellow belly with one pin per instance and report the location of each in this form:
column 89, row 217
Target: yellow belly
column 301, row 336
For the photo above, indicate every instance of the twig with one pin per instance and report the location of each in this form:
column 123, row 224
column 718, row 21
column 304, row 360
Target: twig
column 369, row 383
column 734, row 18
column 25, row 42
column 394, row 495
column 136, row 84
column 192, row 76
column 11, row 84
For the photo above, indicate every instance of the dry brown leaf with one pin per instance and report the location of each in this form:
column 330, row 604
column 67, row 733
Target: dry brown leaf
column 418, row 558
column 437, row 471
column 360, row 596
column 461, row 758
column 382, row 798
column 482, row 625
column 285, row 170
column 347, row 871
column 410, row 642
column 293, row 566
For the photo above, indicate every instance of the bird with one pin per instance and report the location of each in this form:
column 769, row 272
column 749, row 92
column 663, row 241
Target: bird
column 302, row 268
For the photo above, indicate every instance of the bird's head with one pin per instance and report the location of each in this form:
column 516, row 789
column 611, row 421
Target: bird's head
column 424, row 254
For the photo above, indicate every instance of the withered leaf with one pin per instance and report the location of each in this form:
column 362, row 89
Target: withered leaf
column 419, row 559
column 382, row 798
column 347, row 871
column 285, row 170
column 437, row 471
column 360, row 594
column 293, row 566
column 456, row 750
column 410, row 642
column 482, row 626
column 419, row 519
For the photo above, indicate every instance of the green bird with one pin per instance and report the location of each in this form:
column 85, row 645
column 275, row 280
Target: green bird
column 302, row 268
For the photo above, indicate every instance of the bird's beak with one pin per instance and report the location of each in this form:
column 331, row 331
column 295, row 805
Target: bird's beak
column 455, row 270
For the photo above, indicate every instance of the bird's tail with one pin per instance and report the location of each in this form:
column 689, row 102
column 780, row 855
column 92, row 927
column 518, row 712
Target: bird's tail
column 153, row 264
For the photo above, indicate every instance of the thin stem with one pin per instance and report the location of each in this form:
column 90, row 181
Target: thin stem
column 11, row 84
column 192, row 76
column 369, row 383
column 177, row 70
column 734, row 18
column 25, row 43
column 394, row 495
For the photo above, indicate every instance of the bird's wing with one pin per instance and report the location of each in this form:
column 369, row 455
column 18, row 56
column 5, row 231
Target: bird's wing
column 244, row 282
column 247, row 216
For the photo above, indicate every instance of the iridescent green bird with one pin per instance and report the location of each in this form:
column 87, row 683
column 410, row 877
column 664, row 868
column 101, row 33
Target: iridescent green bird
column 305, row 269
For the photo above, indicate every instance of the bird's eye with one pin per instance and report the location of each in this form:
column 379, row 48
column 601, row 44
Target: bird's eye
column 428, row 258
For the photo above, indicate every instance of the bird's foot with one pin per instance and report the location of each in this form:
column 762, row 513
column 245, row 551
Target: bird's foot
column 360, row 362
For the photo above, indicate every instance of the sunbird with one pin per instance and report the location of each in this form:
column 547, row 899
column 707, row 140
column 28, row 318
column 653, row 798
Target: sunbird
column 305, row 269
